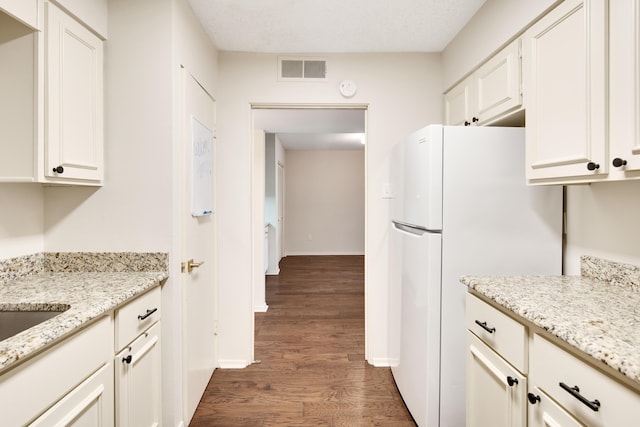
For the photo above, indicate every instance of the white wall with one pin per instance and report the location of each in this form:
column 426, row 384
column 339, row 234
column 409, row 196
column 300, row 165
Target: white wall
column 602, row 221
column 21, row 220
column 600, row 217
column 403, row 93
column 137, row 209
column 325, row 202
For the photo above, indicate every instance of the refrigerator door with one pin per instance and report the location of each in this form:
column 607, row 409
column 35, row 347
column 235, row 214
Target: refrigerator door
column 423, row 178
column 417, row 374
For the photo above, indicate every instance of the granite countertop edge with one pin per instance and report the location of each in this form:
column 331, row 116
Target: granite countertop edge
column 598, row 318
column 86, row 296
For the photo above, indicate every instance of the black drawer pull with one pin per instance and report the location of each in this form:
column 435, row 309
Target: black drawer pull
column 484, row 326
column 575, row 392
column 512, row 381
column 149, row 313
column 127, row 359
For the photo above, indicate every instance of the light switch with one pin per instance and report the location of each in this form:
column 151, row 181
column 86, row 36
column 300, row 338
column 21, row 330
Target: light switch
column 387, row 191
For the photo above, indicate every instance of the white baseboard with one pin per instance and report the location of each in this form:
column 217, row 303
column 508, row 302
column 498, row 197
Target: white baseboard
column 320, row 253
column 260, row 308
column 383, row 362
column 234, row 364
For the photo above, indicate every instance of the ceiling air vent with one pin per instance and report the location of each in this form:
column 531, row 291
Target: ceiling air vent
column 297, row 69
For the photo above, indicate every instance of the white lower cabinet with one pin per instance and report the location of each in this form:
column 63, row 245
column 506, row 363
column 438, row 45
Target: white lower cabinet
column 77, row 383
column 53, row 385
column 544, row 412
column 138, row 362
column 555, row 388
column 496, row 392
column 587, row 394
column 138, row 381
column 89, row 404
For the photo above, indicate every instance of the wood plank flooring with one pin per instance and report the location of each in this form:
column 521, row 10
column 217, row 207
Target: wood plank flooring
column 311, row 346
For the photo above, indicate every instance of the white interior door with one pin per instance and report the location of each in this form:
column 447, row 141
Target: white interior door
column 199, row 237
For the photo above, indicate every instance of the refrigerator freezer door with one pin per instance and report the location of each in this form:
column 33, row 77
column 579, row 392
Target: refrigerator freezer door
column 423, row 178
column 417, row 374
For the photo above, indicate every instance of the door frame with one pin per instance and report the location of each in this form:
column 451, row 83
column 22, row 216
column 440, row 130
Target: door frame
column 257, row 205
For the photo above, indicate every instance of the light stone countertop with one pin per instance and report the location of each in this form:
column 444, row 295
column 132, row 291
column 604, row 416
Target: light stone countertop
column 597, row 313
column 87, row 294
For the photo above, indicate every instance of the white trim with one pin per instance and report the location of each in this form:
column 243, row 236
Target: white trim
column 260, row 308
column 383, row 362
column 323, row 253
column 234, row 364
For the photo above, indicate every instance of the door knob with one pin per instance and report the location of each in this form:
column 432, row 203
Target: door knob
column 190, row 265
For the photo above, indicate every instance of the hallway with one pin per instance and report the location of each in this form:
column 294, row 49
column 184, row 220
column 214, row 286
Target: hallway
column 311, row 346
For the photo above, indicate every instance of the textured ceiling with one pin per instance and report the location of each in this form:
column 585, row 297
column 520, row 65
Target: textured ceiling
column 332, row 26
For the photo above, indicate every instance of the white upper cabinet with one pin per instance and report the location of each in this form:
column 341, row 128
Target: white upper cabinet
column 73, row 118
column 51, row 108
column 490, row 93
column 624, row 87
column 459, row 103
column 22, row 10
column 565, row 89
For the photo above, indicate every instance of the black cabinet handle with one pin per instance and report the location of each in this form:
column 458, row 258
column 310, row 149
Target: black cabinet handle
column 58, row 169
column 533, row 398
column 617, row 162
column 127, row 359
column 148, row 313
column 466, row 123
column 575, row 392
column 484, row 326
column 475, row 120
column 593, row 166
column 512, row 381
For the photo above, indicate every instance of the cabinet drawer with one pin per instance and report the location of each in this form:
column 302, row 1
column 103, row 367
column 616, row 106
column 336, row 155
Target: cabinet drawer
column 136, row 316
column 505, row 335
column 552, row 366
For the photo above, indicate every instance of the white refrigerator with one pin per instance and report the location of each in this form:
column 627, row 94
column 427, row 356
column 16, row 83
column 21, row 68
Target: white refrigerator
column 462, row 208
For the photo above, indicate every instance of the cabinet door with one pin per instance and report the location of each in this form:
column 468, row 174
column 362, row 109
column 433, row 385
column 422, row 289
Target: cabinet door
column 565, row 89
column 458, row 104
column 624, row 63
column 73, row 117
column 496, row 392
column 88, row 405
column 497, row 84
column 544, row 412
column 138, row 381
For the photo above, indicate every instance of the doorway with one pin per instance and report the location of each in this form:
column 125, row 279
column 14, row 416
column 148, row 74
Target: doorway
column 324, row 128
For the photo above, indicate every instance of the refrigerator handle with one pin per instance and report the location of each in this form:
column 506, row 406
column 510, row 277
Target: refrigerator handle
column 411, row 229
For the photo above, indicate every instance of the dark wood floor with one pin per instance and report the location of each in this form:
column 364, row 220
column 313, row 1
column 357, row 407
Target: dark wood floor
column 311, row 346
